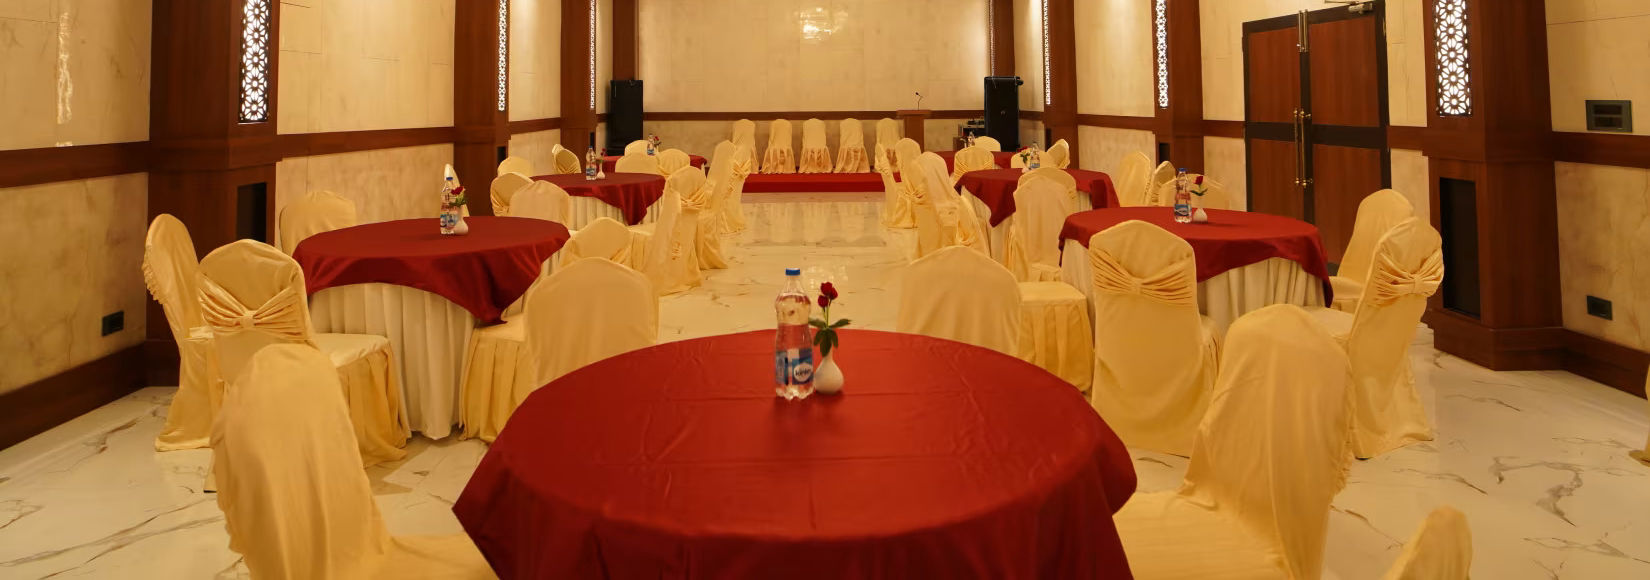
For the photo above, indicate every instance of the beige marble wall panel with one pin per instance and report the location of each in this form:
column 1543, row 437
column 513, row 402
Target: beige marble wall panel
column 1225, row 160
column 385, row 184
column 786, row 55
column 73, row 72
column 1597, row 50
column 1604, row 249
column 1028, row 52
column 1406, row 63
column 1412, row 177
column 71, row 254
column 535, row 147
column 1032, row 131
column 1103, row 148
column 1115, row 58
column 535, row 59
column 355, row 65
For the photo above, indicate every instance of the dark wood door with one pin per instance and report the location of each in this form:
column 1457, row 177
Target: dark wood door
column 1338, row 129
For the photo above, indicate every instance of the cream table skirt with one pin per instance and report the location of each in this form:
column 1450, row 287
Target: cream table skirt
column 999, row 233
column 1224, row 297
column 586, row 209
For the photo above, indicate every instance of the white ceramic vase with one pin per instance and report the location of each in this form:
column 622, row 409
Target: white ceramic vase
column 462, row 228
column 828, row 377
column 1198, row 217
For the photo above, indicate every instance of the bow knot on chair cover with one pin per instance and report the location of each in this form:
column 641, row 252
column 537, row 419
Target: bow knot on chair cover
column 1163, row 286
column 1388, row 281
column 279, row 316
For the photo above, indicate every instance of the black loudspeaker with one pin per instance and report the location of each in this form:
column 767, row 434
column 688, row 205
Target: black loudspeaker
column 1002, row 110
column 624, row 114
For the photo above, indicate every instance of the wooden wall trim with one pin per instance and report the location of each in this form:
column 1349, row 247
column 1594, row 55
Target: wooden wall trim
column 311, row 144
column 1602, row 149
column 624, row 21
column 1227, row 129
column 1118, row 122
column 1401, row 137
column 32, row 409
column 1033, row 116
column 535, row 125
column 800, row 115
column 1002, row 38
column 1620, row 367
column 24, row 167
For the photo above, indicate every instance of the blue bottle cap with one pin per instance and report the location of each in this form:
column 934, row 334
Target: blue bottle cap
column 793, row 271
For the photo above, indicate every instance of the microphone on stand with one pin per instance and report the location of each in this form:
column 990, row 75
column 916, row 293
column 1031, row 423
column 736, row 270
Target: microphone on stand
column 919, row 101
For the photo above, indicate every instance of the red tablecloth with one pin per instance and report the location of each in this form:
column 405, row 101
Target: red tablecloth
column 1231, row 239
column 484, row 272
column 941, row 460
column 1002, row 158
column 996, row 188
column 813, row 183
column 632, row 193
column 610, row 161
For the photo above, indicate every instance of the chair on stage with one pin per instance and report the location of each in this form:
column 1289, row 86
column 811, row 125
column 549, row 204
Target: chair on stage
column 850, row 150
column 171, row 272
column 515, row 164
column 504, row 189
column 1133, row 175
column 744, row 135
column 779, row 158
column 671, row 160
column 887, row 133
column 566, row 161
column 1377, row 214
column 816, row 154
column 637, row 163
column 315, row 213
column 960, row 294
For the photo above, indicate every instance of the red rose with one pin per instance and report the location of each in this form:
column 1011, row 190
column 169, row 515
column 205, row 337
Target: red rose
column 824, row 301
column 1199, row 180
column 828, row 290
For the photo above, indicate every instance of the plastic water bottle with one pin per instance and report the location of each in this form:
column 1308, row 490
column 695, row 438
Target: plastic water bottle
column 1036, row 159
column 793, row 351
column 592, row 161
column 1182, row 198
column 449, row 211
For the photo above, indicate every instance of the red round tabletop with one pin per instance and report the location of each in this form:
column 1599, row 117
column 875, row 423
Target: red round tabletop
column 939, row 460
column 611, row 161
column 1230, row 240
column 632, row 193
column 996, row 188
column 1001, row 158
column 483, row 272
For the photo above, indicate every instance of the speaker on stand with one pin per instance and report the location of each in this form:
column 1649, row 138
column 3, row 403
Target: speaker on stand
column 1002, row 110
column 624, row 114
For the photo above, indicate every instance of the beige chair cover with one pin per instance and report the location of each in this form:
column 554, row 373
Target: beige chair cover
column 252, row 296
column 1058, row 155
column 637, row 147
column 637, row 163
column 974, row 158
column 937, row 209
column 1060, row 176
column 733, row 208
column 1054, row 331
column 850, row 149
column 543, row 200
column 170, row 270
column 671, row 160
column 513, row 164
column 1441, row 549
column 961, row 294
column 816, row 154
column 1215, row 195
column 314, row 213
column 1377, row 214
column 667, row 249
column 1386, row 411
column 988, row 144
column 887, row 133
column 604, row 238
column 1041, row 207
column 1643, row 456
column 1154, row 354
column 586, row 312
column 896, row 203
column 744, row 135
column 711, row 197
column 1267, row 460
column 294, row 498
column 1133, row 173
column 779, row 158
column 566, row 161
column 972, row 231
column 1164, row 174
column 505, row 188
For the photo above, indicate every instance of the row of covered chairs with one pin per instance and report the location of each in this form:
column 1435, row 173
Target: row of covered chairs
column 1141, row 185
column 780, row 157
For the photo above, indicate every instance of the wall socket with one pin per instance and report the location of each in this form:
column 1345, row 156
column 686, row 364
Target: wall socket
column 113, row 323
column 1600, row 307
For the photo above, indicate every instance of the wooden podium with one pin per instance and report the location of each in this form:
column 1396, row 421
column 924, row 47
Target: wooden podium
column 914, row 120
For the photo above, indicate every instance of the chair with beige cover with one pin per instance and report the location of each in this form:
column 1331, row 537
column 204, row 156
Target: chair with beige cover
column 779, row 158
column 710, row 199
column 1214, row 196
column 1407, row 268
column 1054, row 331
column 604, row 309
column 988, row 144
column 671, row 160
column 1441, row 549
column 961, row 294
column 1133, row 174
column 816, row 153
column 887, row 133
column 733, row 207
column 1377, row 214
column 1164, row 174
column 1041, row 207
column 744, row 135
column 315, row 212
column 170, row 270
column 603, row 237
column 1642, row 455
column 252, row 296
column 513, row 164
column 637, row 163
column 921, row 187
column 902, row 213
column 896, row 213
column 974, row 158
column 504, row 190
column 1058, row 155
column 1154, row 355
column 566, row 161
column 959, row 225
column 543, row 200
column 850, row 149
column 667, row 249
column 1266, row 462
column 294, row 498
column 637, row 147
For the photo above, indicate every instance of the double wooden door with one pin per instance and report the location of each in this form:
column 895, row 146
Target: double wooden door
column 1316, row 116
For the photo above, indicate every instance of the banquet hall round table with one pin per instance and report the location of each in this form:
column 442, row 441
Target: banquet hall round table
column 1245, row 261
column 939, row 460
column 611, row 161
column 627, row 197
column 1001, row 158
column 425, row 292
column 992, row 193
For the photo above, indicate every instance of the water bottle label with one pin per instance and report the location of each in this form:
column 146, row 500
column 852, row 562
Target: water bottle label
column 793, row 367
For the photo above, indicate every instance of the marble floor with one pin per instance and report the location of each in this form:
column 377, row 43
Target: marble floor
column 1537, row 461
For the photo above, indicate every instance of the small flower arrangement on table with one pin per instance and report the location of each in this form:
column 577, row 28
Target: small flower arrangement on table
column 459, row 199
column 825, row 336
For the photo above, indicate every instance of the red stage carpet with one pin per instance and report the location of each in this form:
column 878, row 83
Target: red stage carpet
column 814, row 182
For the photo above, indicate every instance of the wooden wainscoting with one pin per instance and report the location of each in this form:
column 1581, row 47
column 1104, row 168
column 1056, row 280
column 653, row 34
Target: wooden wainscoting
column 52, row 401
column 25, row 167
column 731, row 116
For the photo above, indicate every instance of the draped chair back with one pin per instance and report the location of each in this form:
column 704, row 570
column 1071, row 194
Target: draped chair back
column 672, row 256
column 294, row 498
column 1408, row 268
column 815, row 156
column 719, row 184
column 543, row 200
column 1377, row 214
column 567, row 162
column 988, row 144
column 1165, row 191
column 637, row 147
column 1068, row 184
column 895, row 208
column 313, row 213
column 504, row 191
column 974, row 158
column 637, row 163
column 1271, row 451
column 1441, row 549
column 603, row 237
column 513, row 164
column 813, row 134
column 850, row 150
column 171, row 271
column 252, row 296
column 588, row 311
column 744, row 135
column 887, row 132
column 961, row 294
column 733, row 208
column 780, row 158
column 1040, row 210
column 671, row 160
column 1153, row 363
column 1133, row 174
column 1164, row 173
column 1058, row 155
column 933, row 206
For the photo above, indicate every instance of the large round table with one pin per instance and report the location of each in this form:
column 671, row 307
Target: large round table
column 609, row 162
column 992, row 193
column 940, row 460
column 627, row 197
column 425, row 292
column 1245, row 261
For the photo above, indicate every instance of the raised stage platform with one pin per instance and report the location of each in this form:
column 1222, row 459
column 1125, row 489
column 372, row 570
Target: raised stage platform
column 814, row 183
